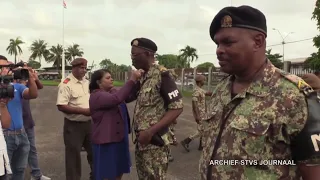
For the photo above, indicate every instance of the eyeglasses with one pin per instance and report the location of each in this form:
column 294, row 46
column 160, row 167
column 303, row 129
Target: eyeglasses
column 136, row 54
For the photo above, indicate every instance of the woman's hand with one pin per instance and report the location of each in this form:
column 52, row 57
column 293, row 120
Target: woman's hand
column 136, row 74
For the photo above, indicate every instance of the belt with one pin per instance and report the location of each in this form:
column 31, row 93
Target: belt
column 13, row 132
column 75, row 121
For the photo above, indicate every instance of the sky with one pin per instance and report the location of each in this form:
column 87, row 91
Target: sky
column 105, row 28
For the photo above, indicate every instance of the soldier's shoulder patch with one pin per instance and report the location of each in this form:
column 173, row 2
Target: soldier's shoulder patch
column 66, row 81
column 299, row 82
column 162, row 68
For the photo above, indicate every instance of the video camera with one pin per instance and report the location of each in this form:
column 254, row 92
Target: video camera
column 6, row 88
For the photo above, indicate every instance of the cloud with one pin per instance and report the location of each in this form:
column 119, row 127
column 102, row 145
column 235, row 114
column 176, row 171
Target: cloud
column 104, row 28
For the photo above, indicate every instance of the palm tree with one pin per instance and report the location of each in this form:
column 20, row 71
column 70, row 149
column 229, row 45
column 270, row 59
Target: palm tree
column 55, row 56
column 72, row 52
column 39, row 49
column 14, row 48
column 188, row 55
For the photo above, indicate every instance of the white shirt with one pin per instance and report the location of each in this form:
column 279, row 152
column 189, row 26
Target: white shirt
column 4, row 162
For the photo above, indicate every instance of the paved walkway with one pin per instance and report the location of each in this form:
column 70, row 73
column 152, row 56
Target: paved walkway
column 49, row 125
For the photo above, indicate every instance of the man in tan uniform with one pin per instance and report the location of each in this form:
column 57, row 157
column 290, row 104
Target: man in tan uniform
column 199, row 109
column 73, row 101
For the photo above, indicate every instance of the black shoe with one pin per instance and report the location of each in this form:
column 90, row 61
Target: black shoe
column 171, row 159
column 200, row 144
column 185, row 144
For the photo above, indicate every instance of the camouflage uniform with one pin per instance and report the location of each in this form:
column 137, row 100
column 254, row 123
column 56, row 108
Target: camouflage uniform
column 172, row 126
column 271, row 113
column 154, row 95
column 199, row 96
column 171, row 133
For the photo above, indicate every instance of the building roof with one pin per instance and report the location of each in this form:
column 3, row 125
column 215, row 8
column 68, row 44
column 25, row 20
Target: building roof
column 297, row 60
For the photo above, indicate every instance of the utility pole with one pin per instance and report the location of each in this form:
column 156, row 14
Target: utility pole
column 283, row 42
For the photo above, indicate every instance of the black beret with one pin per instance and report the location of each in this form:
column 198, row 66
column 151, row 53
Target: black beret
column 240, row 17
column 79, row 62
column 144, row 43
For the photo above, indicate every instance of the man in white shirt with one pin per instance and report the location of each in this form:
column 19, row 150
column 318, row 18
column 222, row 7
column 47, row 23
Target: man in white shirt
column 5, row 119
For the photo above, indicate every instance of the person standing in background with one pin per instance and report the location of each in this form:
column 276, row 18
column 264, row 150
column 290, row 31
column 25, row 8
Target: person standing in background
column 199, row 109
column 313, row 80
column 73, row 101
column 5, row 119
column 18, row 145
column 29, row 124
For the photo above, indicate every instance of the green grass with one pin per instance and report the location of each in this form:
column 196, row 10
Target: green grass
column 50, row 82
column 115, row 83
column 56, row 83
column 118, row 83
column 187, row 93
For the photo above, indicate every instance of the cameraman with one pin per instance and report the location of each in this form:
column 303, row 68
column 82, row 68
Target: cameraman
column 29, row 124
column 18, row 145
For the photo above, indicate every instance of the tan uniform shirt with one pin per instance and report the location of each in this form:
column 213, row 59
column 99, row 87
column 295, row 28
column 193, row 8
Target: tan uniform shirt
column 75, row 93
column 199, row 96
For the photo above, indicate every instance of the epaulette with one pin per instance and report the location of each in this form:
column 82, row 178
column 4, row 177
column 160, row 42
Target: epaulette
column 162, row 68
column 66, row 81
column 299, row 82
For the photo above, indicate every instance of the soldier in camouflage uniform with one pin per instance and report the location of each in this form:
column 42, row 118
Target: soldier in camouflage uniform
column 172, row 136
column 199, row 109
column 257, row 110
column 158, row 104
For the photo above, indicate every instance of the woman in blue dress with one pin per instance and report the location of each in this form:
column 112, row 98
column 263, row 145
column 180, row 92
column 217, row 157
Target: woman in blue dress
column 111, row 125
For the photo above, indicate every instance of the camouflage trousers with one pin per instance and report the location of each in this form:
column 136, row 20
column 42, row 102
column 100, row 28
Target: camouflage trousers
column 171, row 133
column 152, row 164
column 200, row 129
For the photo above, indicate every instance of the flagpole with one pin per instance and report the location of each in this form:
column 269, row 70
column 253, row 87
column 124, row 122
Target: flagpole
column 63, row 55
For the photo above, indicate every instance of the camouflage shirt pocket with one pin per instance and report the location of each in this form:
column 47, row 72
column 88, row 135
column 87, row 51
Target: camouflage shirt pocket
column 147, row 97
column 249, row 135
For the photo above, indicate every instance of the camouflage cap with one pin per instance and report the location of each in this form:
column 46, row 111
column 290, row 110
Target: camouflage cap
column 79, row 62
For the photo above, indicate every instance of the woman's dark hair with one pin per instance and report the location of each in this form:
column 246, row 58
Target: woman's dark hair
column 97, row 75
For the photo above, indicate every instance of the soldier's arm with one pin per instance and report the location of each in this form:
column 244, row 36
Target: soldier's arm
column 172, row 98
column 310, row 167
column 195, row 107
column 134, row 93
column 5, row 117
column 64, row 96
column 32, row 91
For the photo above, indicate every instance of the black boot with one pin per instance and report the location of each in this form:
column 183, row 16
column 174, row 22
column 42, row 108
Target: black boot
column 185, row 144
column 171, row 159
column 200, row 144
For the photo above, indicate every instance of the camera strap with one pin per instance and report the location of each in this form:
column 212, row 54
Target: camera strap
column 224, row 118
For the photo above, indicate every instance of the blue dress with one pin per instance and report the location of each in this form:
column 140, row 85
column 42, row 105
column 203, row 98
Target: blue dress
column 113, row 159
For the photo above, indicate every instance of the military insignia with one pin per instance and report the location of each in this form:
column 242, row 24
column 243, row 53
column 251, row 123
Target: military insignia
column 135, row 43
column 162, row 68
column 302, row 83
column 66, row 81
column 226, row 22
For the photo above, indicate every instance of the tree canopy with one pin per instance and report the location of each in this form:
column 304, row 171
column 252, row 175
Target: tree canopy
column 206, row 65
column 313, row 62
column 275, row 58
column 112, row 67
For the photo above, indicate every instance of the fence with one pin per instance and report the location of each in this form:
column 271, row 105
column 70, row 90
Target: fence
column 185, row 80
